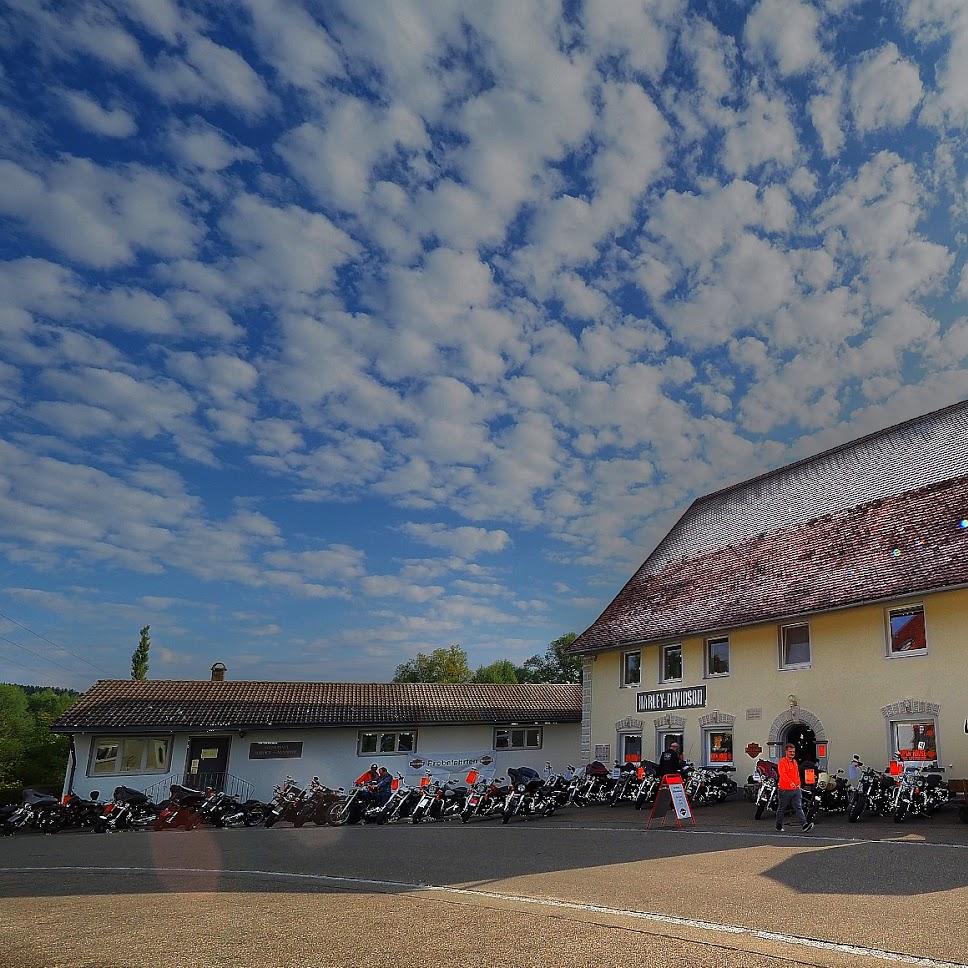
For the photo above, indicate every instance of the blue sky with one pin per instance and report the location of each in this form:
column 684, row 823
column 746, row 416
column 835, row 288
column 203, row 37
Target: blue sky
column 331, row 332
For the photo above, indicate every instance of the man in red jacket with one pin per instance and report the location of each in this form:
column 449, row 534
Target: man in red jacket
column 789, row 795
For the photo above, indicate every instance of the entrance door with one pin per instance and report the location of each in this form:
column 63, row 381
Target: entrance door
column 632, row 748
column 666, row 739
column 804, row 740
column 208, row 761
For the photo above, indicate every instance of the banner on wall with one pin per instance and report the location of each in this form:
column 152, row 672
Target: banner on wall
column 447, row 766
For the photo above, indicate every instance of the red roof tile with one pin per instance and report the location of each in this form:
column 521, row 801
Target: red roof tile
column 891, row 547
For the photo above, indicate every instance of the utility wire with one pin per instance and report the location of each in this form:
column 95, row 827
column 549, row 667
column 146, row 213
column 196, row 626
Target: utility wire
column 56, row 645
column 7, row 660
column 39, row 655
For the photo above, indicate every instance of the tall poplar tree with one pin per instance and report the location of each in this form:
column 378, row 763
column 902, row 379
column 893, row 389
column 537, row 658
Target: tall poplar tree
column 139, row 658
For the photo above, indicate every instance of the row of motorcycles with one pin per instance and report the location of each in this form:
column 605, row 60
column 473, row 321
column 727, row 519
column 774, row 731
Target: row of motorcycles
column 914, row 792
column 186, row 808
column 524, row 793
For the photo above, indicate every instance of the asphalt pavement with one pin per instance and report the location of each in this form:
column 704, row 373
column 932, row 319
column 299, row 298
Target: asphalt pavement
column 585, row 887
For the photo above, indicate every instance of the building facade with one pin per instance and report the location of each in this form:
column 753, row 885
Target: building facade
column 824, row 604
column 250, row 735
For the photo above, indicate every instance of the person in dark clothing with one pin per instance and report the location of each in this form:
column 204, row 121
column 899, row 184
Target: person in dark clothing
column 670, row 761
column 383, row 788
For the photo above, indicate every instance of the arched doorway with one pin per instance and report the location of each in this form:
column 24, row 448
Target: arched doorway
column 805, row 741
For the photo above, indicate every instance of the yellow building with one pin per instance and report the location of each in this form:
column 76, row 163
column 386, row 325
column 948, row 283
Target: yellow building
column 824, row 603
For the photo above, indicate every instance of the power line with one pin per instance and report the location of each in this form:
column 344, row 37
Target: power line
column 56, row 645
column 46, row 658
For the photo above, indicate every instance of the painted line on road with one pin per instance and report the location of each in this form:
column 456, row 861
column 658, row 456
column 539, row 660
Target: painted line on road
column 801, row 838
column 712, row 927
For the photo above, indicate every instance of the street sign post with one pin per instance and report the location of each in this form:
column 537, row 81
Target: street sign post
column 671, row 796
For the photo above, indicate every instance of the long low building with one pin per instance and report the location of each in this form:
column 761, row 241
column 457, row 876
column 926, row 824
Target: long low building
column 823, row 604
column 247, row 736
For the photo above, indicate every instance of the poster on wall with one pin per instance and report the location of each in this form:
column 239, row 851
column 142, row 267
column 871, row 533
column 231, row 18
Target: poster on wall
column 450, row 766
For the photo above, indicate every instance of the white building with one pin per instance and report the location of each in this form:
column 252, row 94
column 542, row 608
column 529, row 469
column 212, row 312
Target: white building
column 149, row 734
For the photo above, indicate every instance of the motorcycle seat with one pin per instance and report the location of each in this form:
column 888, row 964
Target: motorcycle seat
column 184, row 792
column 36, row 799
column 128, row 795
column 460, row 791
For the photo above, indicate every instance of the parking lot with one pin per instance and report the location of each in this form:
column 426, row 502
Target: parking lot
column 585, row 887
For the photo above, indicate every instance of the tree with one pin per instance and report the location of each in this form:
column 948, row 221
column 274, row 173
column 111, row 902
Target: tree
column 15, row 727
column 556, row 665
column 139, row 658
column 504, row 670
column 442, row 665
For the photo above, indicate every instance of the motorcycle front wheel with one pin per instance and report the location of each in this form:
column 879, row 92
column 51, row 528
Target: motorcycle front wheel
column 760, row 810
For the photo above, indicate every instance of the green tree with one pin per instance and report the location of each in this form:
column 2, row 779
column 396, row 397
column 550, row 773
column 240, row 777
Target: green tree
column 139, row 658
column 45, row 753
column 556, row 665
column 504, row 670
column 442, row 665
column 15, row 726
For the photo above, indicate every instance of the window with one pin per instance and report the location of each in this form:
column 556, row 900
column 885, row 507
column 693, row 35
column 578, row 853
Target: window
column 914, row 741
column 671, row 663
column 631, row 668
column 632, row 748
column 717, row 657
column 130, row 754
column 665, row 741
column 380, row 743
column 518, row 739
column 906, row 631
column 794, row 646
column 719, row 747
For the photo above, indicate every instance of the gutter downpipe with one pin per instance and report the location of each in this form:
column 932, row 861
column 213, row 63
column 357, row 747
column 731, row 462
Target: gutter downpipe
column 72, row 766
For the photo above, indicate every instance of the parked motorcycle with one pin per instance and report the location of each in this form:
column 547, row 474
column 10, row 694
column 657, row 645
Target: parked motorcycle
column 401, row 804
column 39, row 811
column 485, row 800
column 874, row 794
column 316, row 804
column 919, row 792
column 129, row 809
column 767, row 795
column 81, row 813
column 526, row 797
column 286, row 801
column 181, row 809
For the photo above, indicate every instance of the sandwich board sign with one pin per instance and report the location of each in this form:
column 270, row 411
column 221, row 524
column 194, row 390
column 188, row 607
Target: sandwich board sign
column 671, row 796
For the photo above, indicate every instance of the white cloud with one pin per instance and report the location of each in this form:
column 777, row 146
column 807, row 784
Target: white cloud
column 785, row 32
column 98, row 216
column 391, row 586
column 114, row 122
column 200, row 145
column 762, row 133
column 884, row 90
column 826, row 113
column 335, row 561
column 932, row 20
column 287, row 247
column 464, row 541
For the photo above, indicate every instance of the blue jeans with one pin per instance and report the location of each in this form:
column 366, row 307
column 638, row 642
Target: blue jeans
column 790, row 800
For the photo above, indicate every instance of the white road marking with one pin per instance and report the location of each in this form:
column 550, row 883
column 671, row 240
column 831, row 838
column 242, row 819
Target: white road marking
column 713, row 927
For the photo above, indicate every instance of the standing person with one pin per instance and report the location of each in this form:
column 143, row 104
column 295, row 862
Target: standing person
column 790, row 794
column 670, row 761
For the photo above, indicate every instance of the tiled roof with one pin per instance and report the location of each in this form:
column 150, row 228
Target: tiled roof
column 897, row 545
column 127, row 704
column 925, row 450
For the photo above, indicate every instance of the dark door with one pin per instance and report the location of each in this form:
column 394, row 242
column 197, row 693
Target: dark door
column 208, row 760
column 805, row 741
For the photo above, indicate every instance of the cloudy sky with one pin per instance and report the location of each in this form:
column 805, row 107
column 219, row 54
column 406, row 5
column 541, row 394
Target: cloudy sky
column 331, row 331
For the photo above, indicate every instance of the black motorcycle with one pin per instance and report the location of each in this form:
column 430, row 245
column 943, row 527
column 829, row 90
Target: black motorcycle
column 38, row 811
column 874, row 794
column 526, row 797
column 130, row 809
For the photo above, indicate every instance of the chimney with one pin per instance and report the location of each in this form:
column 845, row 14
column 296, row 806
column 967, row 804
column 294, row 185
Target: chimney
column 218, row 672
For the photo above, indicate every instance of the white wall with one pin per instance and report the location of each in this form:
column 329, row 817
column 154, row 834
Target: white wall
column 331, row 755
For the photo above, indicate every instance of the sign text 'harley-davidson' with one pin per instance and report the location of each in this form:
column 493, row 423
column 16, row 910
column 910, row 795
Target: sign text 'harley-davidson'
column 663, row 699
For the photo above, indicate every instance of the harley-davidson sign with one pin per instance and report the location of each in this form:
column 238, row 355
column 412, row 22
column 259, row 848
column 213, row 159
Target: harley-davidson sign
column 663, row 699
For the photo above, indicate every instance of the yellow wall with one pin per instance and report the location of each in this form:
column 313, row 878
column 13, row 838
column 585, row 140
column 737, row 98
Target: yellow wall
column 850, row 679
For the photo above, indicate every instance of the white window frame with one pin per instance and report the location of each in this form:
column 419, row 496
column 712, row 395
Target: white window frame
column 707, row 733
column 911, row 720
column 380, row 733
column 661, row 734
column 119, row 740
column 638, row 682
column 511, row 730
column 795, row 665
column 907, row 654
column 708, row 673
column 662, row 663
